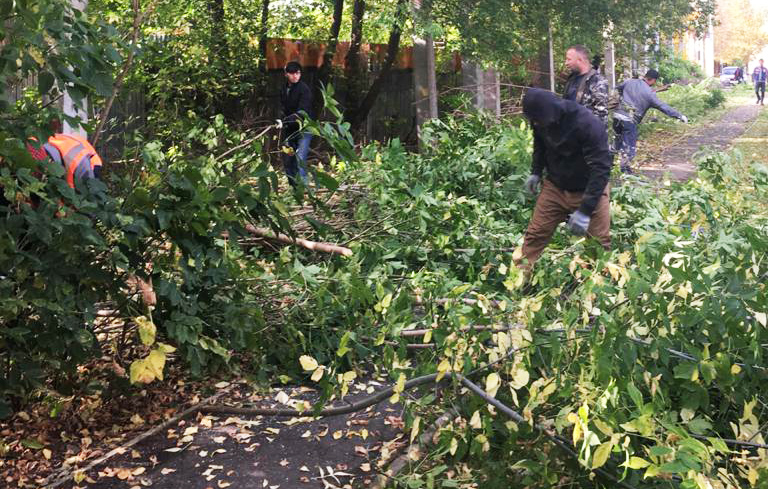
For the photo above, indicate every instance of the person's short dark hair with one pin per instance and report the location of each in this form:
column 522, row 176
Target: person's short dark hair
column 582, row 50
column 292, row 67
column 652, row 75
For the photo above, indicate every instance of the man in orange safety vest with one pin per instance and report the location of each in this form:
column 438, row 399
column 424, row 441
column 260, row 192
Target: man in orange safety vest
column 74, row 153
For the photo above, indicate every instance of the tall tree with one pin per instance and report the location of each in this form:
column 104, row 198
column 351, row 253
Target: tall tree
column 741, row 32
column 360, row 113
column 324, row 74
column 263, row 29
column 352, row 72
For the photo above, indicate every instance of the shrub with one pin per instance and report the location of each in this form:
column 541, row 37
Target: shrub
column 673, row 69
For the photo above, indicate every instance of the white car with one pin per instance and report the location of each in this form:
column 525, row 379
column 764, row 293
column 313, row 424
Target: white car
column 728, row 75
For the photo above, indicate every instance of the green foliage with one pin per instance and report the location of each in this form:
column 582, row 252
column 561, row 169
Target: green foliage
column 673, row 68
column 56, row 45
column 69, row 253
column 626, row 354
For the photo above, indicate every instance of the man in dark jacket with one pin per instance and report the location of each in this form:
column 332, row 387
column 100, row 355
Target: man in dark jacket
column 296, row 100
column 637, row 97
column 570, row 153
column 759, row 76
column 585, row 86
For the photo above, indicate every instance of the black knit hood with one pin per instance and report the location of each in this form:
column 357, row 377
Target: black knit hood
column 552, row 117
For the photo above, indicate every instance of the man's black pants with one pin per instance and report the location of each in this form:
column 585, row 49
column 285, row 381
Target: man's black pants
column 760, row 91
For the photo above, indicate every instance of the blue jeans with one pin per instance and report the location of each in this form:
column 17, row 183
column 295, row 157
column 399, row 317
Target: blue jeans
column 626, row 142
column 297, row 162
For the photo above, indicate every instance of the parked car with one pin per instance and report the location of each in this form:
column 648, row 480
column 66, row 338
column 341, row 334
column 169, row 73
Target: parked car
column 728, row 76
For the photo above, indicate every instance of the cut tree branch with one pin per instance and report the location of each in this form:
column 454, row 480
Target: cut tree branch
column 304, row 243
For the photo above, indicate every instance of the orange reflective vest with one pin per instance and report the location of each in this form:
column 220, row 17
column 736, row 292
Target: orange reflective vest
column 76, row 154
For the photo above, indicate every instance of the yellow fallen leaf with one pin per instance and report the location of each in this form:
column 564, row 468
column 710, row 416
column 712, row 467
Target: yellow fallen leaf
column 138, row 470
column 284, row 462
column 492, row 383
column 415, row 428
column 308, row 363
column 337, row 434
column 190, row 431
column 317, row 374
column 474, row 422
column 167, row 471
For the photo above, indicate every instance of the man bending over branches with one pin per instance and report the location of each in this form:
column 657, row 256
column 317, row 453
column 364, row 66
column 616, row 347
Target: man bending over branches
column 570, row 153
column 637, row 97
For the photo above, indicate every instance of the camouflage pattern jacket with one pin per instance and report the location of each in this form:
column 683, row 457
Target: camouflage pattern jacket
column 593, row 93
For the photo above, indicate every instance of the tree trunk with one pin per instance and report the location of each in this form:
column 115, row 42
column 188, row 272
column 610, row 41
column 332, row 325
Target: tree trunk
column 324, row 73
column 393, row 46
column 263, row 35
column 352, row 72
column 218, row 33
column 424, row 78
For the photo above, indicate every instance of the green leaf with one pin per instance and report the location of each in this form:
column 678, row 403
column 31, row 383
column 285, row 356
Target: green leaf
column 660, row 451
column 601, row 454
column 33, row 444
column 45, row 81
column 637, row 463
column 635, row 394
column 343, row 348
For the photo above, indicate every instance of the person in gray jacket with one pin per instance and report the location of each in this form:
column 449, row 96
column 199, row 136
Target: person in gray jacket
column 637, row 97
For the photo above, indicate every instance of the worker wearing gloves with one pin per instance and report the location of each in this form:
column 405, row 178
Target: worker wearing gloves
column 637, row 97
column 570, row 171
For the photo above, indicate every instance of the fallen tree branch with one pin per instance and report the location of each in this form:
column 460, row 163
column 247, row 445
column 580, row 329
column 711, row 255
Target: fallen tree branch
column 414, row 451
column 66, row 473
column 327, row 412
column 304, row 243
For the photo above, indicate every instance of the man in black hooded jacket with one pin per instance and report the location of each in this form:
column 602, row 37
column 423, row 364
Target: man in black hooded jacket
column 295, row 101
column 570, row 154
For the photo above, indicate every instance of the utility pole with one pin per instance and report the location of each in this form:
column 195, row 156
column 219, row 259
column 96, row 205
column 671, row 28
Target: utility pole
column 69, row 106
column 551, row 58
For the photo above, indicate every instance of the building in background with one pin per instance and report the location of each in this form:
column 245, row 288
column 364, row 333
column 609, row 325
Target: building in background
column 698, row 49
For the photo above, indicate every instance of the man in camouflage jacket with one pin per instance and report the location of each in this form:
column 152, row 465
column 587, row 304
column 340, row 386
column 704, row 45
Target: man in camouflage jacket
column 585, row 86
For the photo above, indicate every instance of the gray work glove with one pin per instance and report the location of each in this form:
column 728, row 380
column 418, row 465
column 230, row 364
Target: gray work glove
column 684, row 119
column 532, row 184
column 578, row 223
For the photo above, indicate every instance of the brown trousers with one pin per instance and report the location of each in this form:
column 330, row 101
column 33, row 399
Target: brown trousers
column 553, row 207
